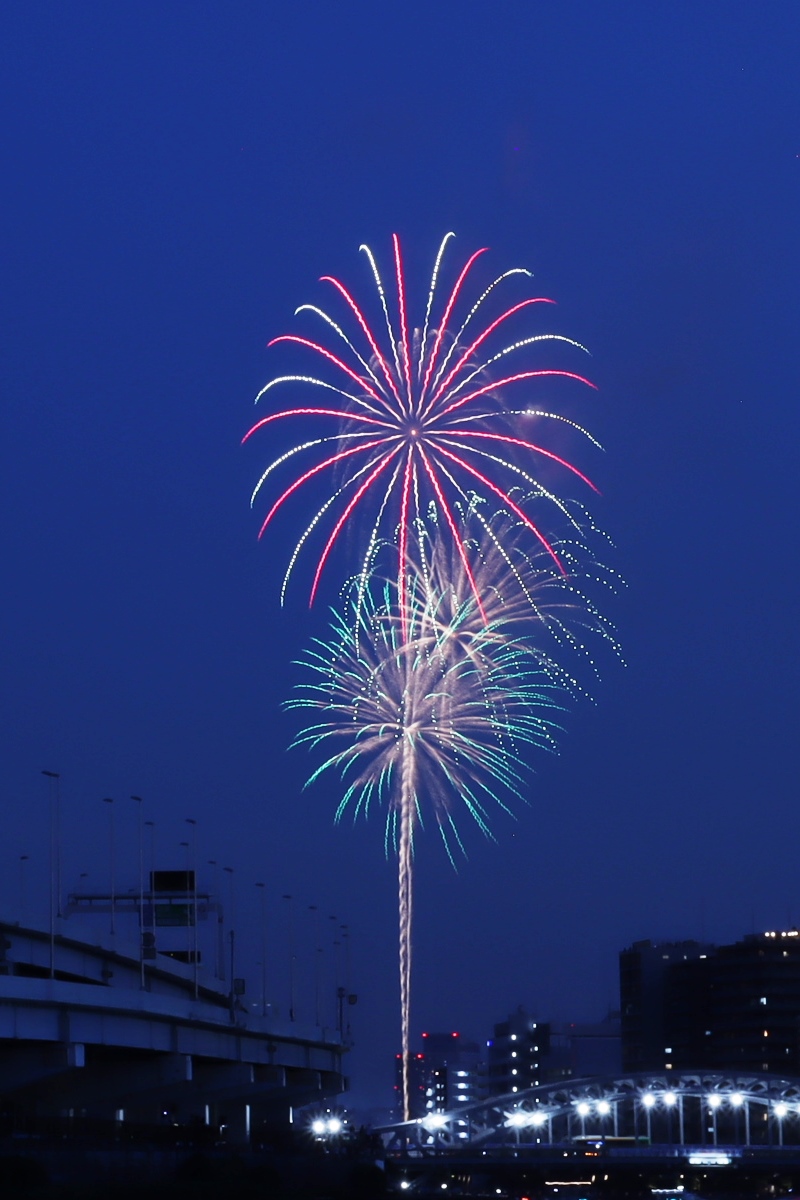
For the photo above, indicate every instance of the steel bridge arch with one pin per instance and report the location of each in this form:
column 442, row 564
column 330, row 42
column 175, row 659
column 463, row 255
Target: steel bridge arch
column 658, row 1108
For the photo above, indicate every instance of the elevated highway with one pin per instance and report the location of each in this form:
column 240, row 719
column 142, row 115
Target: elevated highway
column 90, row 1029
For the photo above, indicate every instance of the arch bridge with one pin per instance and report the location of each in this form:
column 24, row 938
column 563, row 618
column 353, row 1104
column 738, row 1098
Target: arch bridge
column 679, row 1109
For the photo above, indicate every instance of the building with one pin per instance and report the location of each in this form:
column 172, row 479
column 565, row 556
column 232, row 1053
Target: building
column 691, row 1007
column 525, row 1053
column 445, row 1074
column 514, row 1054
column 643, row 971
column 738, row 1008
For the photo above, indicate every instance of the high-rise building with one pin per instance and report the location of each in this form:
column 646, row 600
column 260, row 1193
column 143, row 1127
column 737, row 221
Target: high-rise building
column 643, row 969
column 525, row 1052
column 443, row 1076
column 689, row 1006
column 515, row 1053
column 739, row 1007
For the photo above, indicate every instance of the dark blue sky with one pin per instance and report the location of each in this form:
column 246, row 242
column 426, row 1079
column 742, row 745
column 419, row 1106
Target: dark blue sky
column 175, row 178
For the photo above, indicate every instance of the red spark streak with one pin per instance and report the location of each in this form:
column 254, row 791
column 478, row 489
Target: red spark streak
column 506, row 500
column 500, row 437
column 338, row 526
column 401, row 299
column 367, row 332
column 290, row 337
column 454, row 531
column 499, row 383
column 401, row 580
column 315, row 412
column 315, row 471
column 446, row 318
column 480, row 340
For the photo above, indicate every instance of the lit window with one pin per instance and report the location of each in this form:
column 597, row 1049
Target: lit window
column 513, row 1054
column 763, row 1000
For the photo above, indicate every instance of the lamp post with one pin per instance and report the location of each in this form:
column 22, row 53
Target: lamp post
column 109, row 801
column 140, row 830
column 55, row 860
column 55, row 838
column 219, row 968
column 312, row 908
column 232, row 935
column 262, row 892
column 23, row 906
column 192, row 823
column 290, row 929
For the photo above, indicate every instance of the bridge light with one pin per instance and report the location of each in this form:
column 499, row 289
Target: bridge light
column 648, row 1099
column 603, row 1107
column 435, row 1121
column 538, row 1118
column 714, row 1100
column 318, row 1127
column 737, row 1099
column 517, row 1119
column 334, row 1125
column 670, row 1099
column 780, row 1110
column 583, row 1109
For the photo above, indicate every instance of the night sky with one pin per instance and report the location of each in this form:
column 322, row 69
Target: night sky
column 175, row 179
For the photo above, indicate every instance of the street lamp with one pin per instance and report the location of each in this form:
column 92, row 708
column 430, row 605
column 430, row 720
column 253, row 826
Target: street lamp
column 262, row 890
column 138, row 802
column 290, row 929
column 109, row 801
column 55, row 839
column 190, row 821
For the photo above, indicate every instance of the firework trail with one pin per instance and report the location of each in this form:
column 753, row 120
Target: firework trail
column 417, row 420
column 431, row 712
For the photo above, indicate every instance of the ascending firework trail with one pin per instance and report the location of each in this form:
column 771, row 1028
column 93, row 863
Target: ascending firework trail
column 433, row 718
column 425, row 682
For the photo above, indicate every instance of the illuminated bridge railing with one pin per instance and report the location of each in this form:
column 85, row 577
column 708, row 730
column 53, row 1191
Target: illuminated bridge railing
column 677, row 1109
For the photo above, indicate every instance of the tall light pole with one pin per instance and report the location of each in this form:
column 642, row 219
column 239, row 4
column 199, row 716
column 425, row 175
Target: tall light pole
column 346, row 939
column 138, row 800
column 55, row 835
column 262, row 890
column 109, row 801
column 55, row 861
column 232, row 934
column 290, row 929
column 219, row 969
column 23, row 858
column 151, row 825
column 190, row 821
column 312, row 908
